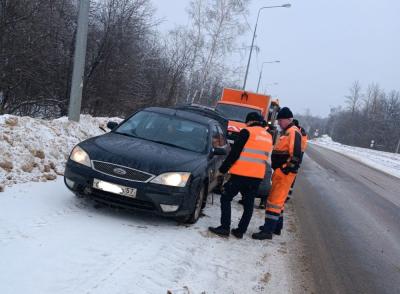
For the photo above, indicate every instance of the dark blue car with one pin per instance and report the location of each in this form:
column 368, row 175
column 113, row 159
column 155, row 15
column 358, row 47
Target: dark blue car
column 163, row 160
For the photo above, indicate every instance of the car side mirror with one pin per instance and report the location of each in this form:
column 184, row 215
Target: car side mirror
column 112, row 125
column 219, row 151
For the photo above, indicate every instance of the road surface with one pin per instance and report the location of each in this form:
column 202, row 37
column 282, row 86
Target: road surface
column 349, row 218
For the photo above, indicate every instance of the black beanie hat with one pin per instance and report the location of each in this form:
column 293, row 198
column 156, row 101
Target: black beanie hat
column 285, row 113
column 253, row 116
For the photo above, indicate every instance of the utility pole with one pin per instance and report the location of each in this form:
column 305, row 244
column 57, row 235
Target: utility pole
column 75, row 99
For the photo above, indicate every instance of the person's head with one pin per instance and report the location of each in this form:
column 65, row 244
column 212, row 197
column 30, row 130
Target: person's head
column 285, row 117
column 296, row 122
column 253, row 117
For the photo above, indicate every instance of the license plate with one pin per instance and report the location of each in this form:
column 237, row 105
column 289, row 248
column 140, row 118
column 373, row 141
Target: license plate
column 114, row 188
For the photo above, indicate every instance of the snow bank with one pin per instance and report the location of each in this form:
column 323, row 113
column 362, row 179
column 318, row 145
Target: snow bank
column 34, row 149
column 384, row 161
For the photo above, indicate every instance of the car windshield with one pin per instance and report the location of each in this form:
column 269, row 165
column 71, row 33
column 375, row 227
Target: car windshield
column 234, row 112
column 166, row 129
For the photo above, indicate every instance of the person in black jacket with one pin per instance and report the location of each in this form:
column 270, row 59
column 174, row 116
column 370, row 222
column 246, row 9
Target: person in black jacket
column 246, row 164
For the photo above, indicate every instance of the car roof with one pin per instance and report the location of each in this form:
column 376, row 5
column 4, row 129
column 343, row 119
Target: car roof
column 205, row 111
column 182, row 113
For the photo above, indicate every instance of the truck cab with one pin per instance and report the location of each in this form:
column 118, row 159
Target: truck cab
column 236, row 104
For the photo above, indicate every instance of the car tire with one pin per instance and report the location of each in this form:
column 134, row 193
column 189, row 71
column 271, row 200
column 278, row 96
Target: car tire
column 79, row 195
column 195, row 215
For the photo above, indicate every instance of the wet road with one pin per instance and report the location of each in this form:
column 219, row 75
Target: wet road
column 349, row 218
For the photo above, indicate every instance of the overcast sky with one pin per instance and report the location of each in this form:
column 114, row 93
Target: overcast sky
column 323, row 46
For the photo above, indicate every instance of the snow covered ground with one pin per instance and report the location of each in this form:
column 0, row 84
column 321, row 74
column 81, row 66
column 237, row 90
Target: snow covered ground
column 34, row 149
column 384, row 161
column 53, row 242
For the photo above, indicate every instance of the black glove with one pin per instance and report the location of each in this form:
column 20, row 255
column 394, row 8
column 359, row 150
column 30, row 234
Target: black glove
column 285, row 170
column 290, row 167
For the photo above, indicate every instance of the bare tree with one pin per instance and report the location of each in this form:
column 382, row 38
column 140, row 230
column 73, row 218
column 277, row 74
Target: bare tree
column 216, row 25
column 353, row 100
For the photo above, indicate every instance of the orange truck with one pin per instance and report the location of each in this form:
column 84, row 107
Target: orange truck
column 236, row 104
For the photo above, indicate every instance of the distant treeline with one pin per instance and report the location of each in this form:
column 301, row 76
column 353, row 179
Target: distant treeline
column 371, row 115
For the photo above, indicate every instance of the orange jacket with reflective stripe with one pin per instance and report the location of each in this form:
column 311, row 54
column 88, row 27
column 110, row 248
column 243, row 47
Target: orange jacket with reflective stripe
column 254, row 156
column 304, row 139
column 287, row 148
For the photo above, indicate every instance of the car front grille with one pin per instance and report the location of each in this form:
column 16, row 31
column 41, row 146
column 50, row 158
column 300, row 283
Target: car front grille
column 121, row 172
column 122, row 201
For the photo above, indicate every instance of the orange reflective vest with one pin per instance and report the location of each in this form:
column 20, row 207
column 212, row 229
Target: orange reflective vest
column 255, row 154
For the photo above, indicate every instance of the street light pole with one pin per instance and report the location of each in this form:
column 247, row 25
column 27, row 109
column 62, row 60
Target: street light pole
column 254, row 36
column 262, row 65
column 75, row 98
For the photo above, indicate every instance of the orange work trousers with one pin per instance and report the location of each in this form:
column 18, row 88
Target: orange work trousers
column 281, row 184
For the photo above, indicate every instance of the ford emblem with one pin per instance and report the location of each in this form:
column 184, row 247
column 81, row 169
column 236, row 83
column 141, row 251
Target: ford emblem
column 119, row 171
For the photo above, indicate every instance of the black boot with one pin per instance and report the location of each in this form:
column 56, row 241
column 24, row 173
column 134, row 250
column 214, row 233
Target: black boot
column 276, row 232
column 220, row 231
column 262, row 236
column 238, row 234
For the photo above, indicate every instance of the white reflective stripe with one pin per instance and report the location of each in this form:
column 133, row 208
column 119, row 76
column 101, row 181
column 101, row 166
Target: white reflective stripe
column 274, row 206
column 255, row 151
column 231, row 141
column 274, row 217
column 250, row 159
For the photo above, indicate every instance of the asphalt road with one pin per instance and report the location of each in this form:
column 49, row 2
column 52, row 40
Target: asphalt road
column 349, row 218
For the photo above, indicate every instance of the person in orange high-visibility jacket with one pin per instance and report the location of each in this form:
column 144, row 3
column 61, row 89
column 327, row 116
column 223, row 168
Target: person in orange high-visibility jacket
column 246, row 164
column 285, row 159
column 304, row 137
column 304, row 143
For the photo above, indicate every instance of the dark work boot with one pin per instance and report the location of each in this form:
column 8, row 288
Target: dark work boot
column 220, row 231
column 279, row 226
column 238, row 234
column 262, row 236
column 276, row 232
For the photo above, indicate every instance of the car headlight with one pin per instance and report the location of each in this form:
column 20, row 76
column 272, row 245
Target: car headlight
column 176, row 179
column 80, row 156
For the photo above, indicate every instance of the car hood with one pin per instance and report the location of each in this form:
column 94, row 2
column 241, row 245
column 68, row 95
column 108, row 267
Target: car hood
column 147, row 156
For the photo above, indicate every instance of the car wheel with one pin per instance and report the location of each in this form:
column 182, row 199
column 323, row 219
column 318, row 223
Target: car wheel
column 194, row 216
column 79, row 195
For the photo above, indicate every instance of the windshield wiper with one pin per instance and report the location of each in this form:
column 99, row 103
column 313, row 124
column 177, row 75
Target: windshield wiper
column 170, row 144
column 128, row 135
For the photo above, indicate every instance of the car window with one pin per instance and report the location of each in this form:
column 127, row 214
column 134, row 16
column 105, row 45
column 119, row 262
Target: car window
column 166, row 129
column 222, row 138
column 218, row 139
